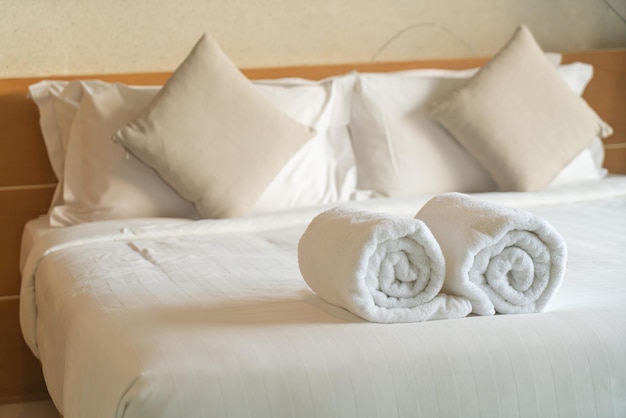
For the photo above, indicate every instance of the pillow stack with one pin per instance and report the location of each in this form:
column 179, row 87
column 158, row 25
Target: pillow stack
column 505, row 126
column 212, row 136
column 301, row 154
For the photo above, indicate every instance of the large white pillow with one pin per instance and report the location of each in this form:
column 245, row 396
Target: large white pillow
column 102, row 180
column 47, row 95
column 401, row 150
column 57, row 104
column 324, row 169
column 518, row 117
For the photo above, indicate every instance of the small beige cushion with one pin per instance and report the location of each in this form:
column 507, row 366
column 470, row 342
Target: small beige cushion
column 518, row 117
column 212, row 136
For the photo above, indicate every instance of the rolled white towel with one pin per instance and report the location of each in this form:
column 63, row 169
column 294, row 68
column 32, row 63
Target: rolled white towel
column 381, row 268
column 502, row 259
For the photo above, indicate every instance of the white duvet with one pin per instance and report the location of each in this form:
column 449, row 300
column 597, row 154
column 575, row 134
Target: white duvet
column 168, row 318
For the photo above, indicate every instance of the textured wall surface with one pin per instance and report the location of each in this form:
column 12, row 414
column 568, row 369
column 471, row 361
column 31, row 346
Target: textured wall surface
column 87, row 36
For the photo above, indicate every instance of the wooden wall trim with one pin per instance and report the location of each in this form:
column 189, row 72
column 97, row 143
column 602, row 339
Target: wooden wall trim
column 606, row 93
column 17, row 207
column 21, row 378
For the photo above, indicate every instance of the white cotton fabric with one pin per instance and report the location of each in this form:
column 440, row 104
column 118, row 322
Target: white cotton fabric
column 380, row 267
column 179, row 318
column 324, row 169
column 101, row 179
column 503, row 259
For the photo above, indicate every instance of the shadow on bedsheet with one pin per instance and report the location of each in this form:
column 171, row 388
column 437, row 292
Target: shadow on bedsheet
column 306, row 308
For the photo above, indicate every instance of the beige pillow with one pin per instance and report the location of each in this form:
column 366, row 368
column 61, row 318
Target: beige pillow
column 212, row 136
column 518, row 117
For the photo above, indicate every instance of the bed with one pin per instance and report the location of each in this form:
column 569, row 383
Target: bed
column 208, row 315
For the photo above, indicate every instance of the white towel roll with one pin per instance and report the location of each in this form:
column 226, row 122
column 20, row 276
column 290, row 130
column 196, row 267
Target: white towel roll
column 381, row 268
column 502, row 259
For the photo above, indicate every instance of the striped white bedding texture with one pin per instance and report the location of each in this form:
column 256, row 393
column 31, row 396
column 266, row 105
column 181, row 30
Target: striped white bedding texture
column 177, row 318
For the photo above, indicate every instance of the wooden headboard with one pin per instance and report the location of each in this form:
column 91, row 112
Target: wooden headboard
column 27, row 181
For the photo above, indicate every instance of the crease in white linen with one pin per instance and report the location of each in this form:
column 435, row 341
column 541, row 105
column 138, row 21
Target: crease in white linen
column 57, row 239
column 380, row 267
column 503, row 259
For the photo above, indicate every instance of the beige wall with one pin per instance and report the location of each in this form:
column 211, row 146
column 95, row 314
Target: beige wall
column 47, row 37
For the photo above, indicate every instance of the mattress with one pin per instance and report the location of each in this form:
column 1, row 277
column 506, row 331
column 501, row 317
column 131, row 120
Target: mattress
column 176, row 318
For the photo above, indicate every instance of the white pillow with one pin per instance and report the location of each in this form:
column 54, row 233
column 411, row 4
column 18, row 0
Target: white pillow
column 46, row 94
column 101, row 180
column 324, row 169
column 582, row 168
column 401, row 150
column 57, row 106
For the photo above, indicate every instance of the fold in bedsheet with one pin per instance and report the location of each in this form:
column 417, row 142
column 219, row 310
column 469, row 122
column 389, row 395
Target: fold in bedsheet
column 382, row 268
column 502, row 259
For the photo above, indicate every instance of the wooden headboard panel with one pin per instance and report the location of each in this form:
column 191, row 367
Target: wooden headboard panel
column 27, row 181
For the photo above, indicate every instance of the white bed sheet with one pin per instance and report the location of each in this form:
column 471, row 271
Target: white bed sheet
column 32, row 232
column 173, row 318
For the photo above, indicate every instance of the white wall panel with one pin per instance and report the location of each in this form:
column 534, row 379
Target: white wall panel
column 89, row 36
